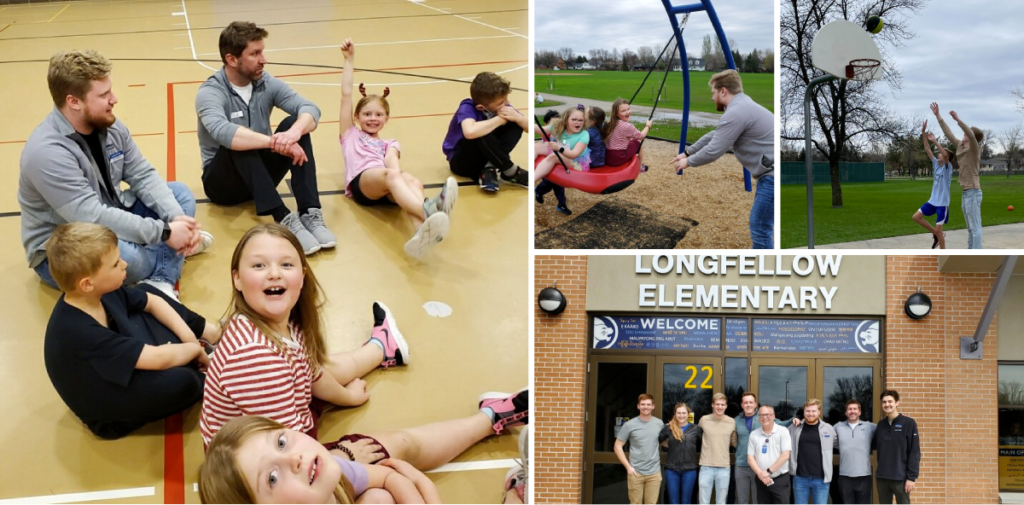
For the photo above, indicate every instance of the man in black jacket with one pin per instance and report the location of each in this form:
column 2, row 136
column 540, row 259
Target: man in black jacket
column 899, row 451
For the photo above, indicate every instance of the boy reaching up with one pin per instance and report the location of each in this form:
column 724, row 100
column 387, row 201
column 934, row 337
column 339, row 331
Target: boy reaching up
column 938, row 204
column 119, row 357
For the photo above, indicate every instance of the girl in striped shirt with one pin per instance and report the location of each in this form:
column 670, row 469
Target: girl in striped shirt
column 272, row 361
column 621, row 138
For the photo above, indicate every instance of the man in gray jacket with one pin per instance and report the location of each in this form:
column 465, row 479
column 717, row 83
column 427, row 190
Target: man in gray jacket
column 242, row 159
column 814, row 439
column 749, row 130
column 72, row 168
column 854, row 444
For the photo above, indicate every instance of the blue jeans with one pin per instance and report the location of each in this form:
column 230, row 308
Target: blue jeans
column 762, row 214
column 971, row 205
column 816, row 488
column 680, row 481
column 717, row 477
column 157, row 261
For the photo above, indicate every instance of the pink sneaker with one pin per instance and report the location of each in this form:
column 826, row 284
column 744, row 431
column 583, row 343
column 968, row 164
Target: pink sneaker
column 509, row 409
column 385, row 331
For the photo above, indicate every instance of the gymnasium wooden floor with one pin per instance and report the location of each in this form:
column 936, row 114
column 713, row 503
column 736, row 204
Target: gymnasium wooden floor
column 480, row 270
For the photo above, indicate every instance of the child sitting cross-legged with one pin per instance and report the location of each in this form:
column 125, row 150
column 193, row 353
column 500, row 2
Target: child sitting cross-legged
column 119, row 357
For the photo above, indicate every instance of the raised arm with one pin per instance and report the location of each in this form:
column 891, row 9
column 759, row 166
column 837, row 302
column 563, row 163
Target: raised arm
column 345, row 114
column 971, row 139
column 924, row 137
column 942, row 124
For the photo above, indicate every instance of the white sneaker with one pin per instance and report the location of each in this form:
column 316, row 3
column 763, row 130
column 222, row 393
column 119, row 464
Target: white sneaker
column 432, row 231
column 205, row 241
column 164, row 287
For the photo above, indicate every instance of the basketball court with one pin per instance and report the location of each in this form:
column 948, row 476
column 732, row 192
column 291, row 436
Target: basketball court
column 161, row 51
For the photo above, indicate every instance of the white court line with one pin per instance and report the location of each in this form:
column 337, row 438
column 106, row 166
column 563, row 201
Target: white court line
column 467, row 80
column 470, row 20
column 112, row 494
column 191, row 42
column 387, row 43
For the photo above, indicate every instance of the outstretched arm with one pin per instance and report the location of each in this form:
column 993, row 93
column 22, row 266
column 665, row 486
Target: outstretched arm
column 345, row 114
column 971, row 139
column 924, row 138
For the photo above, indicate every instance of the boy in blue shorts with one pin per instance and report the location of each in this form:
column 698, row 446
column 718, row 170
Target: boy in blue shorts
column 938, row 204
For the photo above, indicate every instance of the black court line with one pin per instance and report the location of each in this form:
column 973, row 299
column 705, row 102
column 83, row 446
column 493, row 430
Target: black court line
column 283, row 23
column 286, row 195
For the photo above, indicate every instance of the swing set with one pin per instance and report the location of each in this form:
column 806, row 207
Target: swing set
column 612, row 179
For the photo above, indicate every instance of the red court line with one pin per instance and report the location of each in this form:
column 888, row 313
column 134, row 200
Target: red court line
column 174, row 448
column 174, row 460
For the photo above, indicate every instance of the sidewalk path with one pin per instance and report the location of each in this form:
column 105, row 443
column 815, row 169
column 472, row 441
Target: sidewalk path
column 1003, row 236
column 696, row 118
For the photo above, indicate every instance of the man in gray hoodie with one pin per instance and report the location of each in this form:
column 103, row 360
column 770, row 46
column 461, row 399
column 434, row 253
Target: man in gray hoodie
column 242, row 159
column 749, row 130
column 72, row 168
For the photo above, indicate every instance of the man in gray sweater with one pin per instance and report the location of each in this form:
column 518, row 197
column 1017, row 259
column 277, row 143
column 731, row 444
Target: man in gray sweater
column 749, row 130
column 72, row 168
column 242, row 159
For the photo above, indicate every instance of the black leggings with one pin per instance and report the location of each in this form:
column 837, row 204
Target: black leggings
column 234, row 177
column 546, row 187
column 472, row 155
column 153, row 395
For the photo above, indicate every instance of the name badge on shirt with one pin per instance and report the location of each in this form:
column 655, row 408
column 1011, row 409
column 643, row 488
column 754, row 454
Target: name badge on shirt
column 237, row 114
column 116, row 156
column 764, row 449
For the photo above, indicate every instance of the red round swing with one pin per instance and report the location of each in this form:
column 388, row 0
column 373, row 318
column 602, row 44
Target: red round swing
column 602, row 180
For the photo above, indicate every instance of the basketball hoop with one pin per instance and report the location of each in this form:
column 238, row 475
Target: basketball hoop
column 862, row 69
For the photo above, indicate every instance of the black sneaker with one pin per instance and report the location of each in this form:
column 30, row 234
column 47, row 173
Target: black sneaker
column 509, row 409
column 539, row 198
column 489, row 180
column 520, row 178
column 563, row 209
column 935, row 240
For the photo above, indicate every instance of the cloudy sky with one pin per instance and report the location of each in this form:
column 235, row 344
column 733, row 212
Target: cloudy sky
column 967, row 56
column 630, row 24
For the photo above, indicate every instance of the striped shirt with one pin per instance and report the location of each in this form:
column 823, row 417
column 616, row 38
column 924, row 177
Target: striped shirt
column 249, row 375
column 619, row 139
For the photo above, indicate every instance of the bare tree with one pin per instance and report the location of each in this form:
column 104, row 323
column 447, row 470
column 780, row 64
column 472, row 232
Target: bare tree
column 646, row 57
column 986, row 144
column 545, row 59
column 598, row 57
column 707, row 52
column 719, row 57
column 769, row 61
column 1012, row 143
column 567, row 55
column 842, row 110
column 1019, row 93
column 628, row 59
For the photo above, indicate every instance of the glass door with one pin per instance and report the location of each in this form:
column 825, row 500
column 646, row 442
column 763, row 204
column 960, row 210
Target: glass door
column 783, row 383
column 615, row 384
column 692, row 381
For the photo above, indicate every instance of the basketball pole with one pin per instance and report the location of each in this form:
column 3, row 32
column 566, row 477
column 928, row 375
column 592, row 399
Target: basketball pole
column 807, row 154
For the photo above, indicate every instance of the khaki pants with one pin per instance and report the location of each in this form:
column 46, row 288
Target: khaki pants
column 644, row 488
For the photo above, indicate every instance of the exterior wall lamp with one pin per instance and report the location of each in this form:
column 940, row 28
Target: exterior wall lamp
column 551, row 300
column 918, row 305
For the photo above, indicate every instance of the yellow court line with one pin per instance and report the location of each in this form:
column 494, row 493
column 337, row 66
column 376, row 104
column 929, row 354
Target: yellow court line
column 62, row 10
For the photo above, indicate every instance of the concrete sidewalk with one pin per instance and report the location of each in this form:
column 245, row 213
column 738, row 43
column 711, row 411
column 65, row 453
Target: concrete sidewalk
column 1003, row 236
column 696, row 118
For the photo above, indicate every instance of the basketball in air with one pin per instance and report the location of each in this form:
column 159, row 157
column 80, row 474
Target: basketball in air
column 874, row 24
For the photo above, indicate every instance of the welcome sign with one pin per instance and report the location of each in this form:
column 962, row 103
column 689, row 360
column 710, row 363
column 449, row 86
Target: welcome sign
column 658, row 332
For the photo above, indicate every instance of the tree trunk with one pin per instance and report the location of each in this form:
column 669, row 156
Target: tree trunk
column 837, row 190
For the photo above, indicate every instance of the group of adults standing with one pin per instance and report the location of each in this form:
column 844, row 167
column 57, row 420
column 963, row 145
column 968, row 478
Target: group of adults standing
column 776, row 461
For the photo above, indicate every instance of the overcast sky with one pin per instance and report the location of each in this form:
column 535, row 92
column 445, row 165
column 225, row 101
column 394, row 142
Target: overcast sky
column 630, row 24
column 967, row 56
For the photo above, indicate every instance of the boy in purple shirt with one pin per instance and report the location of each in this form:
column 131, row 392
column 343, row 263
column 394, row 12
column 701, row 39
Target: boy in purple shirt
column 483, row 132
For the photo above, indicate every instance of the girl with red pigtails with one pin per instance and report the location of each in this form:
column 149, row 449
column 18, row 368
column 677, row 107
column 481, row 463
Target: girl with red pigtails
column 371, row 163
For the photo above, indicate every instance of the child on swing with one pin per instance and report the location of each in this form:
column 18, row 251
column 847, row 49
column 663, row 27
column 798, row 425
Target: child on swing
column 373, row 175
column 622, row 138
column 569, row 139
column 595, row 121
column 938, row 204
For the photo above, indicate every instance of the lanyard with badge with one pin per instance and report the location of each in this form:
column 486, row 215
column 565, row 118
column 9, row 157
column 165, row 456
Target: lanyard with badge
column 767, row 438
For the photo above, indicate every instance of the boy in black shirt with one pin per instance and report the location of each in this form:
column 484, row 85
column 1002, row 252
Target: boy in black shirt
column 105, row 347
column 899, row 451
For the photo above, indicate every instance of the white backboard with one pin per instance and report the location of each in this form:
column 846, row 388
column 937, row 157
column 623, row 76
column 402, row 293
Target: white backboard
column 838, row 43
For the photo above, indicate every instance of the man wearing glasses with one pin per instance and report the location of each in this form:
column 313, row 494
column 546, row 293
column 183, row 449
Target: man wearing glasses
column 768, row 456
column 899, row 451
column 855, row 455
column 745, row 424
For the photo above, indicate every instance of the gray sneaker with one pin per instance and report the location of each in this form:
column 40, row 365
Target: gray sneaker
column 443, row 201
column 308, row 242
column 313, row 220
column 432, row 231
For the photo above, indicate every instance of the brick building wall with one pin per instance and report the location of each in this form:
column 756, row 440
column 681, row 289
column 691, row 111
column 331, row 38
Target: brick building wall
column 560, row 372
column 953, row 400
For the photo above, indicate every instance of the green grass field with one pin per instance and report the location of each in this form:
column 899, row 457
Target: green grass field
column 883, row 209
column 548, row 103
column 609, row 85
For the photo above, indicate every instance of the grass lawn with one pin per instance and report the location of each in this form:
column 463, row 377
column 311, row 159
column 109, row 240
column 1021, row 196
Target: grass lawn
column 547, row 103
column 883, row 209
column 609, row 85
